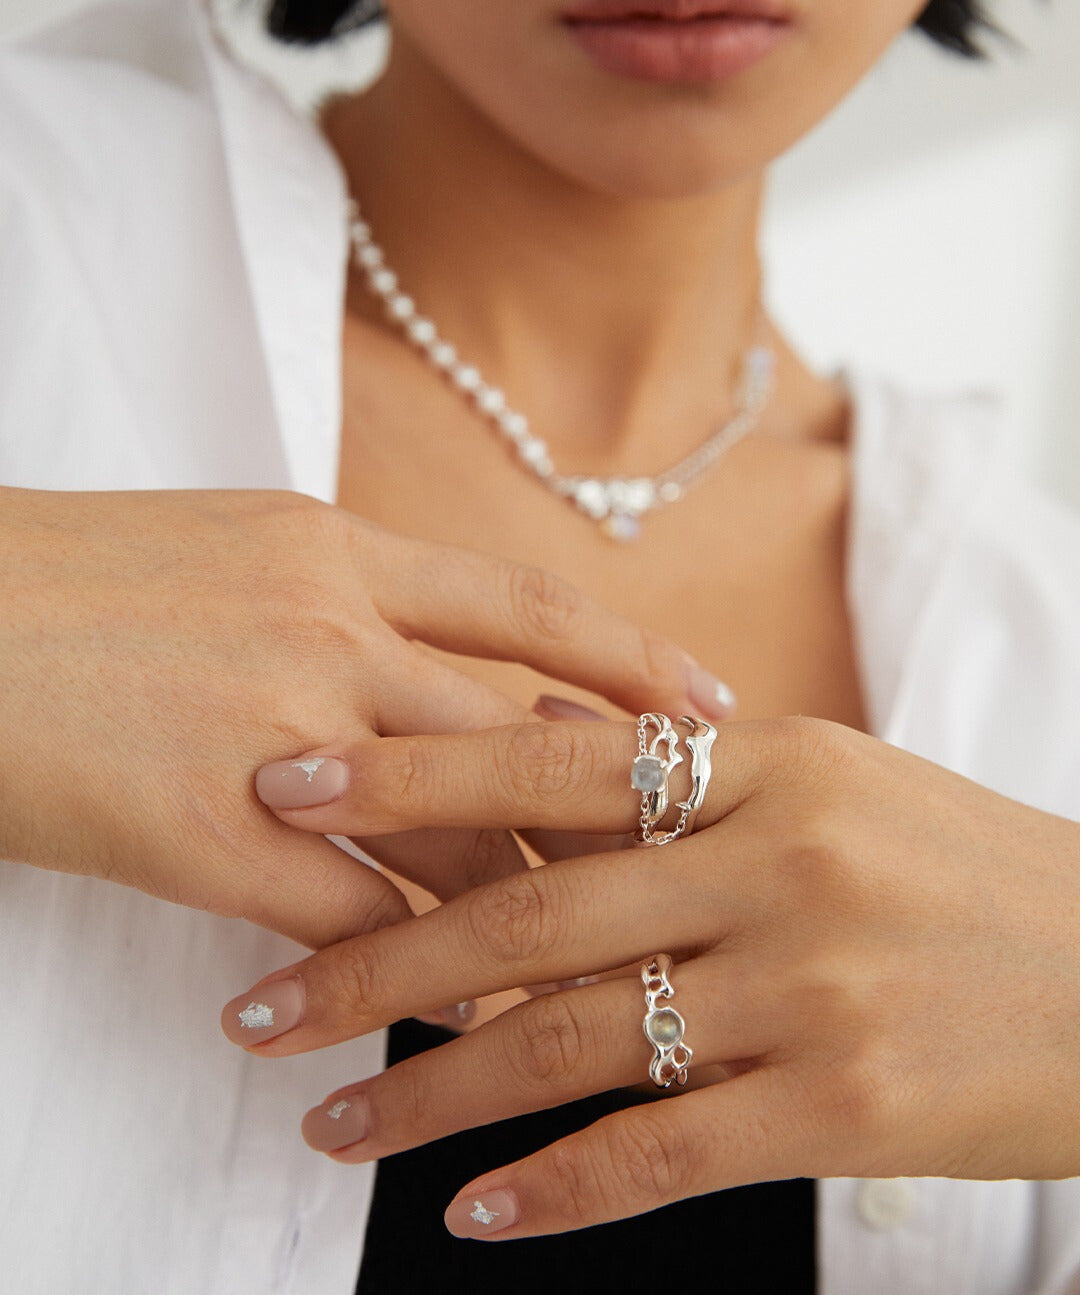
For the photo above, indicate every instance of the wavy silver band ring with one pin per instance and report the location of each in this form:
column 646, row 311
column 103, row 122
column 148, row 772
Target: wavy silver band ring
column 651, row 771
column 663, row 1026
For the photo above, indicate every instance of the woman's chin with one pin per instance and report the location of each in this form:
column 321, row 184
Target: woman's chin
column 643, row 173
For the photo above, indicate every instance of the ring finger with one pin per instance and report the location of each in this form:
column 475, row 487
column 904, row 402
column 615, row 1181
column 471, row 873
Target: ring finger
column 547, row 924
column 540, row 1054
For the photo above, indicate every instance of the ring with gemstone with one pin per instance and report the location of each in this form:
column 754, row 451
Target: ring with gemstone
column 651, row 771
column 663, row 1026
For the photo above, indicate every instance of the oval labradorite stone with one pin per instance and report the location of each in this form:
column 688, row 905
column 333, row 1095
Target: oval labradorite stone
column 665, row 1028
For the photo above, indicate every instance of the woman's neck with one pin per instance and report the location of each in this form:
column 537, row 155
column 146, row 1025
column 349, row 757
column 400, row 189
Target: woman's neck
column 618, row 325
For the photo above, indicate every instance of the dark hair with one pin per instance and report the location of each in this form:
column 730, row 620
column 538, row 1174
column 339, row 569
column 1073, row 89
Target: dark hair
column 952, row 23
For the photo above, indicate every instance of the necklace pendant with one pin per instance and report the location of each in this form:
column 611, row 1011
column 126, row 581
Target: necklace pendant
column 623, row 527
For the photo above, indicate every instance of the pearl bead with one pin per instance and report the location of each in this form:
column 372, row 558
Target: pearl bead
column 384, row 282
column 443, row 355
column 592, row 498
column 400, row 307
column 361, row 231
column 422, row 332
column 466, row 378
column 533, row 450
column 370, row 256
column 491, row 400
column 513, row 424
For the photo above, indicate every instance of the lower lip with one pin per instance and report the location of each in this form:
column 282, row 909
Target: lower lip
column 694, row 51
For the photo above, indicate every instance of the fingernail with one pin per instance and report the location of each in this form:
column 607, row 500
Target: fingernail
column 554, row 986
column 460, row 1014
column 338, row 1123
column 264, row 1013
column 559, row 708
column 480, row 1214
column 299, row 784
column 710, row 695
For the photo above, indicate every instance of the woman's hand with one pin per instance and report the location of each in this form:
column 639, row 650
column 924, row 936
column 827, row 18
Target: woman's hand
column 157, row 647
column 884, row 956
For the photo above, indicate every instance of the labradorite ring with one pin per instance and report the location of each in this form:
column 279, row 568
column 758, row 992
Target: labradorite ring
column 657, row 757
column 663, row 1025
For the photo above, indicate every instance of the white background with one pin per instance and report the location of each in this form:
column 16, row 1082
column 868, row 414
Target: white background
column 929, row 229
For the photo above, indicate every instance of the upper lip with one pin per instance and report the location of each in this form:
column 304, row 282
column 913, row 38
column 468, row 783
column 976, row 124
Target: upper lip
column 677, row 10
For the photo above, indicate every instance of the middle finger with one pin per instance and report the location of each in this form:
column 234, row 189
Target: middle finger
column 541, row 1054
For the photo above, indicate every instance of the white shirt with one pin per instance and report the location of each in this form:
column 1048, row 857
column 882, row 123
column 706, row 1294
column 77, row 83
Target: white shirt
column 172, row 255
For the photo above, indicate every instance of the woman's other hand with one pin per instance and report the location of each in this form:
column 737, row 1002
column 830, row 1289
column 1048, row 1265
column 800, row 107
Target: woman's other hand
column 876, row 959
column 158, row 647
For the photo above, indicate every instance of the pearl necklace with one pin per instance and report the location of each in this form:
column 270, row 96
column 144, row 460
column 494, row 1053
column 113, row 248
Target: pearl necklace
column 616, row 503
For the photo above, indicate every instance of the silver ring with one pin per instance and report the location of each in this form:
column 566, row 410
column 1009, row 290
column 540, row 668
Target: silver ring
column 651, row 771
column 700, row 740
column 663, row 1026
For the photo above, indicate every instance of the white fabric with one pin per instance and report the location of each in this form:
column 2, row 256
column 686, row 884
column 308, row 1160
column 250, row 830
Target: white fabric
column 171, row 279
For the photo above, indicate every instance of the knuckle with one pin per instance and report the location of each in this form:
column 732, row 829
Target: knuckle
column 583, row 1178
column 389, row 780
column 388, row 909
column 659, row 665
column 812, row 858
column 548, row 761
column 514, row 920
column 351, row 984
column 309, row 618
column 855, row 1102
column 652, row 1156
column 545, row 606
column 304, row 528
column 548, row 1047
column 413, row 1102
column 813, row 745
column 489, row 854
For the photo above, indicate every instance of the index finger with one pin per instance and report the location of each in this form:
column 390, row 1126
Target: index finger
column 477, row 605
column 561, row 775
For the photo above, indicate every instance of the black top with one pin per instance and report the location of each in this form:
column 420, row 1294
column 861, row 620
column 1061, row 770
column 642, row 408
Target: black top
column 757, row 1239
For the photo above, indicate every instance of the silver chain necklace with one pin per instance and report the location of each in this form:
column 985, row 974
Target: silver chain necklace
column 616, row 503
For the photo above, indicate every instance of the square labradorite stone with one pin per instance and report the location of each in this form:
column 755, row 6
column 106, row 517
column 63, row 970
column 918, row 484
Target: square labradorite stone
column 647, row 775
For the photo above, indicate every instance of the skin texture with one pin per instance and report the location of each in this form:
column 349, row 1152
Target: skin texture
column 881, row 955
column 268, row 618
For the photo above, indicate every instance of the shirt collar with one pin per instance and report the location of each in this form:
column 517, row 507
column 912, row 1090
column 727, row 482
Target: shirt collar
column 288, row 194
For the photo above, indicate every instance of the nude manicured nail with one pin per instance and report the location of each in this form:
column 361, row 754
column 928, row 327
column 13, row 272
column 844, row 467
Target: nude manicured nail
column 559, row 708
column 710, row 695
column 554, row 986
column 453, row 1018
column 300, row 784
column 479, row 1214
column 337, row 1124
column 264, row 1013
